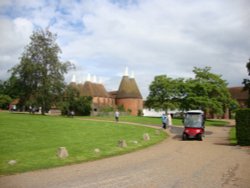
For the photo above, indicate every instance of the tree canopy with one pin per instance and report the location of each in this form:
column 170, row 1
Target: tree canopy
column 165, row 93
column 207, row 91
column 39, row 78
column 246, row 83
column 72, row 101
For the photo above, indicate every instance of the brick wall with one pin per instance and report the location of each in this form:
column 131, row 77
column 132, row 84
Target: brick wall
column 133, row 104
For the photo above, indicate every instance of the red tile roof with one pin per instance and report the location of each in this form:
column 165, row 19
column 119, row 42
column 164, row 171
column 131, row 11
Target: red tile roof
column 238, row 93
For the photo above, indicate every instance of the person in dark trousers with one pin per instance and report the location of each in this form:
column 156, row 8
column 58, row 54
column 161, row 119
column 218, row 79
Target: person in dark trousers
column 117, row 115
column 164, row 121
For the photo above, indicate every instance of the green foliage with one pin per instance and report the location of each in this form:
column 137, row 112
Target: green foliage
column 140, row 112
column 106, row 109
column 156, row 121
column 164, row 93
column 10, row 87
column 83, row 106
column 39, row 76
column 73, row 102
column 207, row 91
column 32, row 140
column 243, row 126
column 246, row 83
column 121, row 108
column 129, row 111
column 232, row 136
column 5, row 100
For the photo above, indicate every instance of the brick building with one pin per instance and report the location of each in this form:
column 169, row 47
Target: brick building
column 127, row 95
column 239, row 95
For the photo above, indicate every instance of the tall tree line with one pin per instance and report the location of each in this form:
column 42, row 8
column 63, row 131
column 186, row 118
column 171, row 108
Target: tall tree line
column 246, row 83
column 206, row 91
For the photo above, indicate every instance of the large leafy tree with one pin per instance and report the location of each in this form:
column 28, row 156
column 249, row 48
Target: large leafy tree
column 81, row 105
column 165, row 93
column 246, row 83
column 207, row 91
column 40, row 75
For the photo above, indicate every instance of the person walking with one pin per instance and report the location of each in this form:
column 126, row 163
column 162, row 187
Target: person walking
column 117, row 114
column 164, row 121
column 169, row 117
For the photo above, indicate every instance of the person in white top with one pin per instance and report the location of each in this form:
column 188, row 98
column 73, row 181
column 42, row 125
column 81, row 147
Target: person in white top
column 117, row 115
column 169, row 120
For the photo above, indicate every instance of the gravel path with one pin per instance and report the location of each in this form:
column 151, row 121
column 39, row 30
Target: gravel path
column 173, row 163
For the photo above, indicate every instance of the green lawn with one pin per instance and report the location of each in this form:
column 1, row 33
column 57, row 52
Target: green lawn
column 232, row 136
column 154, row 120
column 32, row 140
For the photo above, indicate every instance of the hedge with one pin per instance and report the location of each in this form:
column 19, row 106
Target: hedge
column 243, row 126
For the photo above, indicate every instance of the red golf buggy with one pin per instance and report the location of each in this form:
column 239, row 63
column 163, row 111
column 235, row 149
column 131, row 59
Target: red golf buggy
column 194, row 125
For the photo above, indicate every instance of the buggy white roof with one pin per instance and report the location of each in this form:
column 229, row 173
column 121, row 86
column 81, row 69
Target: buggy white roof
column 195, row 112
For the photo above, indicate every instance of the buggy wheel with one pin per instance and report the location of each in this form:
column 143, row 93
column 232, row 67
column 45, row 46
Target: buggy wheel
column 199, row 136
column 184, row 136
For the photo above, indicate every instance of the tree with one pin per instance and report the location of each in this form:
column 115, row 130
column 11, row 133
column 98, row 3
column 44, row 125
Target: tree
column 4, row 101
column 40, row 74
column 72, row 101
column 246, row 83
column 164, row 93
column 207, row 91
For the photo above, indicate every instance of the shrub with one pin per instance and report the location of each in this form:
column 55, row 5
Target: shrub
column 4, row 101
column 121, row 108
column 140, row 112
column 243, row 126
column 106, row 109
column 81, row 106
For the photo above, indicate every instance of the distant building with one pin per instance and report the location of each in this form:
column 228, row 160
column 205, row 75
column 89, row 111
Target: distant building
column 127, row 95
column 239, row 95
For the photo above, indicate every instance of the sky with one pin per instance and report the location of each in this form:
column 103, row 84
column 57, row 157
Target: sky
column 150, row 37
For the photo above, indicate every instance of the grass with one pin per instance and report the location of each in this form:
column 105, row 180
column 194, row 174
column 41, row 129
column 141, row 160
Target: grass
column 232, row 136
column 33, row 140
column 213, row 122
column 154, row 120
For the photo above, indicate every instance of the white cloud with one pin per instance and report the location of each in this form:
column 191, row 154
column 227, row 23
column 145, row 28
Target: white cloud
column 14, row 35
column 150, row 36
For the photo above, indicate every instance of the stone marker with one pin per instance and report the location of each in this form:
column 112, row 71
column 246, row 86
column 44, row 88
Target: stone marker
column 97, row 150
column 62, row 152
column 122, row 143
column 146, row 137
column 12, row 162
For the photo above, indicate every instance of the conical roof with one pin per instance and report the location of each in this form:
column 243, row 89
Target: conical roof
column 128, row 89
column 94, row 90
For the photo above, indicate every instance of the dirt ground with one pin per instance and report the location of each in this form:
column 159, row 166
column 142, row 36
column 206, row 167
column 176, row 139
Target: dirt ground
column 211, row 163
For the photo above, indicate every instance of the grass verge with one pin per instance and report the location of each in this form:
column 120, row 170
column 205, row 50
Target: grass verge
column 154, row 120
column 32, row 140
column 232, row 136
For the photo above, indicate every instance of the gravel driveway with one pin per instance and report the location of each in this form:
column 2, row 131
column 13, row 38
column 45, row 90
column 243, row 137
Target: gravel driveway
column 171, row 164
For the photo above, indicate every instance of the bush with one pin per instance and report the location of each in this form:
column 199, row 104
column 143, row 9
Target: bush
column 121, row 108
column 4, row 101
column 81, row 106
column 140, row 112
column 243, row 126
column 106, row 109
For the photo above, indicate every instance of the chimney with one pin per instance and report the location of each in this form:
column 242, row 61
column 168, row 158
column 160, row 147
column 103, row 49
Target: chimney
column 126, row 72
column 73, row 78
column 89, row 77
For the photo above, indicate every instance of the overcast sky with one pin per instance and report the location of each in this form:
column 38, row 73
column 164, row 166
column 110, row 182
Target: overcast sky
column 150, row 37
